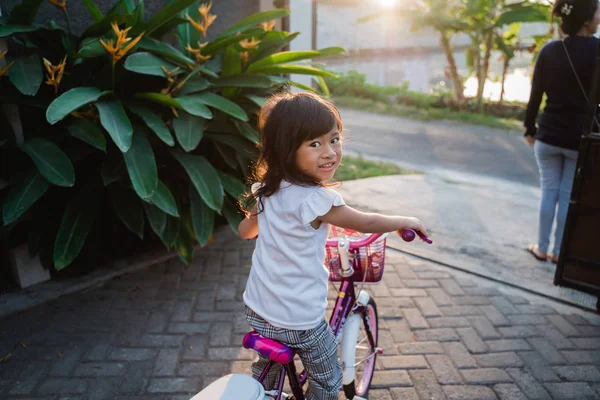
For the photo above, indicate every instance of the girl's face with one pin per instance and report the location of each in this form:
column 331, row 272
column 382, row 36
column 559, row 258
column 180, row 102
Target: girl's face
column 319, row 158
column 592, row 25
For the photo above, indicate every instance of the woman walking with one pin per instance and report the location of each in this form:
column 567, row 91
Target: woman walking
column 563, row 71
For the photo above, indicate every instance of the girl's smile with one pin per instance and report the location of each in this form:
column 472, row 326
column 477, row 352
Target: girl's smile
column 319, row 158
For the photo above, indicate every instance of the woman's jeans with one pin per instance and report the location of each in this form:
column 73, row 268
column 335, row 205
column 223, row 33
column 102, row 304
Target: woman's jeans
column 557, row 170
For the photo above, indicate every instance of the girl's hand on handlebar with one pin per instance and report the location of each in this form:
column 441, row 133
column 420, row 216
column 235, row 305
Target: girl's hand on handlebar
column 415, row 225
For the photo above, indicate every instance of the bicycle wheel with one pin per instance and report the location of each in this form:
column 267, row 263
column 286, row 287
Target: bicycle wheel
column 366, row 353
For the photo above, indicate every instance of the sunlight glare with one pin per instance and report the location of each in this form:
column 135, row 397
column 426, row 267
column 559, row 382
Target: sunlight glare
column 388, row 3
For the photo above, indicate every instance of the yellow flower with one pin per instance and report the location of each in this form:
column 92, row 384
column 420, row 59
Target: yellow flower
column 204, row 9
column 249, row 44
column 116, row 49
column 198, row 52
column 267, row 26
column 62, row 4
column 207, row 19
column 55, row 73
column 5, row 70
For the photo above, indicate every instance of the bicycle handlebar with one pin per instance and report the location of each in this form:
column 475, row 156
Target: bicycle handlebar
column 407, row 234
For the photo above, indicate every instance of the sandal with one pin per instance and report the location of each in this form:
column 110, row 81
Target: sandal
column 553, row 258
column 534, row 250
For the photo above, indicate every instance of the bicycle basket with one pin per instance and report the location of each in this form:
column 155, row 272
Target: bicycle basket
column 369, row 258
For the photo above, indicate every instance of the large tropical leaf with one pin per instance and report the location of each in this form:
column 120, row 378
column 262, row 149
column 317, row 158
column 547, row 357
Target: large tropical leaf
column 88, row 132
column 524, row 13
column 243, row 80
column 91, row 47
column 189, row 130
column 114, row 119
column 26, row 74
column 70, row 101
column 255, row 19
column 272, row 42
column 195, row 106
column 149, row 64
column 184, row 244
column 23, row 195
column 246, row 130
column 7, row 30
column 164, row 50
column 204, row 178
column 232, row 215
column 25, row 12
column 113, row 167
column 202, row 217
column 163, row 16
column 220, row 103
column 289, row 56
column 168, row 27
column 156, row 217
column 232, row 185
column 93, row 10
column 158, row 98
column 258, row 100
column 128, row 208
column 169, row 236
column 153, row 121
column 51, row 161
column 138, row 12
column 104, row 25
column 323, row 86
column 164, row 200
column 295, row 69
column 219, row 44
column 194, row 85
column 141, row 166
column 186, row 33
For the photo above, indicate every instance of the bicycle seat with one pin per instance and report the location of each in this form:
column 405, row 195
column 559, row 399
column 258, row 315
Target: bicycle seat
column 233, row 387
column 269, row 348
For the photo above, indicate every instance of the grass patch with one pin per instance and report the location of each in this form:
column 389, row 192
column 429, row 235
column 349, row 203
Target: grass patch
column 426, row 114
column 360, row 168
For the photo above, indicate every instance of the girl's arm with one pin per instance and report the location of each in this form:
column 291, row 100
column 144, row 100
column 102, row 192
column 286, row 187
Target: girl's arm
column 248, row 228
column 349, row 218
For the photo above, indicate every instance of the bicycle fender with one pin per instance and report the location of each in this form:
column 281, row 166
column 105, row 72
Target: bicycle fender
column 348, row 347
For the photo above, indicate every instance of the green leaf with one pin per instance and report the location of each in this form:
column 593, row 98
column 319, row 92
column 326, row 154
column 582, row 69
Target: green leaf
column 154, row 122
column 129, row 5
column 164, row 50
column 90, row 48
column 170, row 232
column 240, row 144
column 193, row 105
column 158, row 98
column 93, row 10
column 271, row 43
column 23, row 195
column 101, row 27
column 163, row 16
column 296, row 69
column 258, row 100
column 26, row 74
column 141, row 166
column 524, row 13
column 186, row 33
column 138, row 13
column 256, row 19
column 194, row 85
column 128, row 208
column 164, row 200
column 232, row 62
column 113, row 167
column 7, row 30
column 70, row 101
column 157, row 218
column 289, row 56
column 114, row 119
column 323, row 86
column 168, row 27
column 189, row 130
column 243, row 80
column 302, row 86
column 25, row 12
column 232, row 185
column 149, row 64
column 246, row 130
column 184, row 244
column 51, row 161
column 227, row 154
column 202, row 217
column 204, row 177
column 231, row 214
column 219, row 44
column 75, row 225
column 220, row 103
column 88, row 132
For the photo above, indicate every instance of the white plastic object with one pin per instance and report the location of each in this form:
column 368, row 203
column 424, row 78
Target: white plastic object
column 363, row 298
column 343, row 246
column 348, row 347
column 233, row 387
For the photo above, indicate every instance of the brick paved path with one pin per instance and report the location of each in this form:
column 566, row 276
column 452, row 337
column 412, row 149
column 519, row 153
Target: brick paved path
column 166, row 331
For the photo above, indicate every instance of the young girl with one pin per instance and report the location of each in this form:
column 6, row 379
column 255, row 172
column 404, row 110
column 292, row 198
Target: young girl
column 286, row 293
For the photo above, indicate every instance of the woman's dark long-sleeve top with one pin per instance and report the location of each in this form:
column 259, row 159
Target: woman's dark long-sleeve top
column 561, row 123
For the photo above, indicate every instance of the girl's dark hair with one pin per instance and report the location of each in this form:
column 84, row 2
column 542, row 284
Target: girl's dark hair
column 285, row 122
column 574, row 13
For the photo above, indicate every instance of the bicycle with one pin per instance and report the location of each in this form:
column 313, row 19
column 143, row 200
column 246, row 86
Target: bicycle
column 354, row 318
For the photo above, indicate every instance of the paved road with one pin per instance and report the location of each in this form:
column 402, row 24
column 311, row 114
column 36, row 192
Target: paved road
column 439, row 146
column 166, row 331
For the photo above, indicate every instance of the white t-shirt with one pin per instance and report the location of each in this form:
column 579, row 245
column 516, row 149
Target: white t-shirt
column 287, row 285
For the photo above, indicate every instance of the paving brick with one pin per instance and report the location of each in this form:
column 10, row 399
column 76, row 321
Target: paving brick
column 131, row 354
column 404, row 271
column 230, row 353
column 571, row 390
column 582, row 373
column 484, row 327
column 29, row 377
column 166, row 362
column 589, row 331
column 440, row 297
column 558, row 340
column 433, row 275
column 403, row 362
column 414, row 318
column 182, row 312
column 448, row 322
column 160, row 341
column 404, row 394
column 400, row 331
column 471, row 340
column 408, row 292
column 420, row 283
column 522, row 331
column 104, row 388
column 471, row 300
column 64, row 364
column 500, row 360
column 98, row 352
column 137, row 376
column 534, row 309
column 426, row 385
column 460, row 311
column 392, row 378
column 582, row 357
column 538, row 366
column 509, row 391
column 469, row 393
column 220, row 334
column 485, row 376
column 380, row 394
column 173, row 385
column 99, row 369
column 586, row 343
column 210, row 368
column 527, row 319
column 459, row 354
column 504, row 306
column 444, row 369
column 188, row 327
column 451, row 287
column 575, row 319
column 507, row 345
column 62, row 386
column 427, row 307
column 528, row 384
column 194, row 348
column 494, row 315
column 480, row 291
column 440, row 335
column 412, row 348
column 545, row 348
column 564, row 326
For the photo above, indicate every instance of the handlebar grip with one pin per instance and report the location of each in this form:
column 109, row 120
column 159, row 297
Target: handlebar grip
column 409, row 235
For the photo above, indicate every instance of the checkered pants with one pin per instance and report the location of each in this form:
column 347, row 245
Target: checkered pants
column 316, row 348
